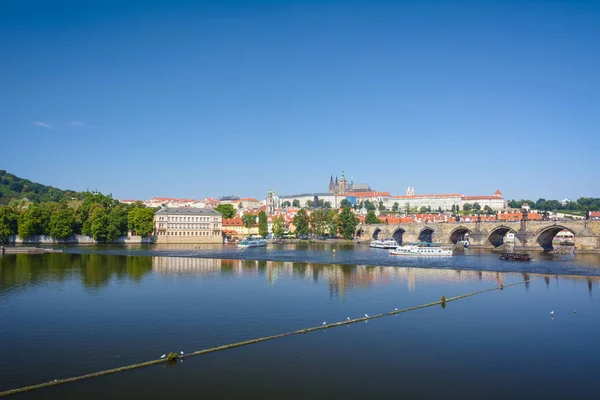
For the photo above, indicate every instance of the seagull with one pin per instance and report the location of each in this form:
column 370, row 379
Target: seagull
column 182, row 353
column 552, row 313
column 324, row 322
column 348, row 318
column 366, row 316
column 163, row 356
column 395, row 309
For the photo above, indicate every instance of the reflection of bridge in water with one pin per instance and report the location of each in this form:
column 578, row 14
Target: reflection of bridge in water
column 339, row 277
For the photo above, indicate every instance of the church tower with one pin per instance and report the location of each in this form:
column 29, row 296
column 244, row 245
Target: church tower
column 331, row 185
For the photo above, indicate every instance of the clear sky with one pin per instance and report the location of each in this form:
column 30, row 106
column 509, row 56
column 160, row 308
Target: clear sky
column 207, row 99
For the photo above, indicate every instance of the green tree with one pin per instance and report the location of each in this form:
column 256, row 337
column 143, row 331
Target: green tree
column 263, row 226
column 97, row 224
column 407, row 208
column 476, row 207
column 345, row 203
column 369, row 205
column 286, row 204
column 31, row 222
column 296, row 203
column 309, row 203
column 347, row 223
column 278, row 226
column 395, row 207
column 141, row 221
column 318, row 222
column 92, row 198
column 467, row 207
column 9, row 218
column 381, row 206
column 423, row 209
column 371, row 218
column 326, row 204
column 226, row 210
column 488, row 210
column 301, row 222
column 62, row 223
column 249, row 220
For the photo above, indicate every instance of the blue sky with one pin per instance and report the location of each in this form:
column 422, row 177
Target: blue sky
column 199, row 99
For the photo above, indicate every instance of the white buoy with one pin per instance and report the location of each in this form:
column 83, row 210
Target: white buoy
column 324, row 322
column 395, row 309
column 163, row 356
column 552, row 313
column 348, row 318
column 182, row 353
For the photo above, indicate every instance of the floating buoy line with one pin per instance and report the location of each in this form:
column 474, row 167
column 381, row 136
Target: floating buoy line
column 175, row 356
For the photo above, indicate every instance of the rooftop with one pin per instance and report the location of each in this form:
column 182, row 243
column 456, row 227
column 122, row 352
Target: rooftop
column 188, row 211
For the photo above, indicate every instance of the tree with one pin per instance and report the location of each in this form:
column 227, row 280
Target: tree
column 249, row 220
column 345, row 203
column 141, row 221
column 309, row 203
column 369, row 205
column 423, row 209
column 326, row 204
column 488, row 210
column 301, row 222
column 476, row 207
column 407, row 208
column 347, row 223
column 8, row 223
column 453, row 209
column 278, row 226
column 467, row 206
column 226, row 210
column 286, row 204
column 381, row 206
column 318, row 222
column 62, row 223
column 96, row 225
column 31, row 222
column 395, row 207
column 117, row 223
column 371, row 218
column 296, row 203
column 263, row 226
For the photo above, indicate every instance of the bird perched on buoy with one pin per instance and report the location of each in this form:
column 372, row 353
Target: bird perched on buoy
column 348, row 318
column 395, row 309
column 182, row 353
column 366, row 316
column 324, row 322
column 163, row 356
column 552, row 313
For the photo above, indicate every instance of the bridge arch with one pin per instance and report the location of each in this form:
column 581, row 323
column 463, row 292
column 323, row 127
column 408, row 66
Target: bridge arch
column 426, row 235
column 545, row 236
column 376, row 233
column 459, row 233
column 359, row 232
column 397, row 235
column 496, row 237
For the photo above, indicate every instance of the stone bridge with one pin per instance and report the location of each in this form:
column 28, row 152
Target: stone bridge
column 528, row 234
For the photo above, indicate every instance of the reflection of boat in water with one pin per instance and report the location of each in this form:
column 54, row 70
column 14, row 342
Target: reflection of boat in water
column 463, row 243
column 252, row 242
column 413, row 250
column 515, row 257
column 384, row 244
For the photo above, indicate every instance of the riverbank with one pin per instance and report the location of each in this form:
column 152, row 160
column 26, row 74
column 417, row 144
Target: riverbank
column 26, row 250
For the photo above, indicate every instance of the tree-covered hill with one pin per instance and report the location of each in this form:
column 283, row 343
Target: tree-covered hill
column 14, row 188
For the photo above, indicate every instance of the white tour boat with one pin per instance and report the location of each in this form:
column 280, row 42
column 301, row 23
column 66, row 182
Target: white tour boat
column 384, row 244
column 252, row 242
column 412, row 250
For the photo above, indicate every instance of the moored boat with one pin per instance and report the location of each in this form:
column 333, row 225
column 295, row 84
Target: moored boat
column 384, row 244
column 412, row 250
column 252, row 242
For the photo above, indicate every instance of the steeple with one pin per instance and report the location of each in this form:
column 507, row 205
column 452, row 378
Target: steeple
column 331, row 185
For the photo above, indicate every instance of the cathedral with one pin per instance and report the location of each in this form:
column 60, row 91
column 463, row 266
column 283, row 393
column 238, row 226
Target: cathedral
column 341, row 186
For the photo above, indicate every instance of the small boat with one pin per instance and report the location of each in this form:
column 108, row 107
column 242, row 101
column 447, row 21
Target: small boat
column 252, row 242
column 463, row 243
column 412, row 250
column 384, row 244
column 515, row 257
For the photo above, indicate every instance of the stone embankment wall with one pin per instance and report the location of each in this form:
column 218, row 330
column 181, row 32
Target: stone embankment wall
column 77, row 239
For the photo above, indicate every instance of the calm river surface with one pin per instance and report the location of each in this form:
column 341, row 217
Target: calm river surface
column 94, row 308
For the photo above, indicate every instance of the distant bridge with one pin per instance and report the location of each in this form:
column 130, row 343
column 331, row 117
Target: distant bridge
column 528, row 234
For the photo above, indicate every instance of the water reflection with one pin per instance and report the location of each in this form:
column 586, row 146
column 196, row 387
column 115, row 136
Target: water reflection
column 95, row 271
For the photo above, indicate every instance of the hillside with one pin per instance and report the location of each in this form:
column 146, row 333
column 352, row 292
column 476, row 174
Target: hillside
column 12, row 187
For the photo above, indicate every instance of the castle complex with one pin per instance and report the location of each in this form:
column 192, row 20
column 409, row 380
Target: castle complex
column 341, row 186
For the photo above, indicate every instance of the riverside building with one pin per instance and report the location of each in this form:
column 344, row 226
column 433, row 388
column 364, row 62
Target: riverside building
column 187, row 225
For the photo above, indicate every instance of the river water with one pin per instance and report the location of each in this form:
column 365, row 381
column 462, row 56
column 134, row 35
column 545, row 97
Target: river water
column 94, row 308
